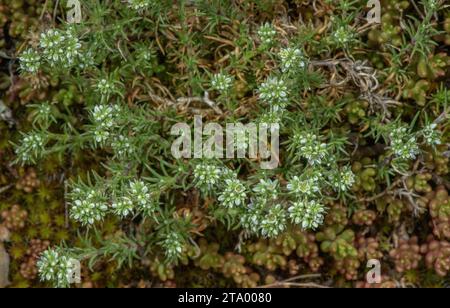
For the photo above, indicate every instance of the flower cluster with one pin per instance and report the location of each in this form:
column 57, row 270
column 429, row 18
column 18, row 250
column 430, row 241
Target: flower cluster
column 403, row 144
column 431, row 135
column 310, row 147
column 309, row 186
column 292, row 59
column 103, row 119
column 234, row 193
column 92, row 204
column 88, row 205
column 343, row 180
column 266, row 190
column 86, row 59
column 173, row 245
column 343, row 35
column 271, row 116
column 274, row 92
column 140, row 5
column 431, row 5
column 106, row 87
column 274, row 222
column 307, row 213
column 123, row 207
column 43, row 113
column 222, row 82
column 145, row 53
column 60, row 48
column 122, row 146
column 56, row 267
column 30, row 61
column 207, row 176
column 140, row 193
column 267, row 34
column 31, row 148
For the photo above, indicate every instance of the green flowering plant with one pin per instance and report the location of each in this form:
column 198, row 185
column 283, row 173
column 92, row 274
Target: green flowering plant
column 141, row 66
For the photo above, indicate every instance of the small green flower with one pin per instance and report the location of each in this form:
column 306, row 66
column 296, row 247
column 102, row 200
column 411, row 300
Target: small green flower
column 123, row 207
column 431, row 135
column 309, row 214
column 403, row 144
column 310, row 147
column 267, row 34
column 88, row 205
column 252, row 216
column 106, row 87
column 274, row 92
column 60, row 48
column 266, row 190
column 30, row 61
column 272, row 117
column 141, row 195
column 103, row 120
column 173, row 245
column 343, row 35
column 55, row 267
column 206, row 176
column 140, row 5
column 32, row 147
column 343, row 180
column 292, row 59
column 274, row 222
column 222, row 82
column 234, row 193
column 122, row 147
column 309, row 186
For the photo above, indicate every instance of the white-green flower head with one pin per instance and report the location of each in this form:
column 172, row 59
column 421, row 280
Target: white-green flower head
column 122, row 146
column 309, row 214
column 103, row 114
column 173, row 245
column 343, row 35
column 403, row 144
column 234, row 194
column 207, row 176
column 274, row 91
column 60, row 48
column 145, row 54
column 88, row 212
column 311, row 148
column 222, row 82
column 343, row 180
column 253, row 214
column 140, row 193
column 309, row 186
column 55, row 267
column 106, row 87
column 292, row 59
column 272, row 116
column 44, row 110
column 267, row 189
column 274, row 223
column 30, row 61
column 267, row 34
column 431, row 5
column 140, row 5
column 103, row 119
column 32, row 147
column 123, row 207
column 431, row 135
column 86, row 60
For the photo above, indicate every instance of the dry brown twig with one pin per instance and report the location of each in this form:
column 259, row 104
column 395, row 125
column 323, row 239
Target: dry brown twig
column 291, row 282
column 364, row 77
